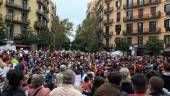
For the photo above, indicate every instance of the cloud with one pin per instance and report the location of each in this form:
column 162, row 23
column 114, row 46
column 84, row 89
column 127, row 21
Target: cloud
column 74, row 10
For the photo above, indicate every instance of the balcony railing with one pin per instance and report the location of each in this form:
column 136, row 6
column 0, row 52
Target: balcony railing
column 108, row 10
column 43, row 14
column 146, row 3
column 20, row 7
column 108, row 34
column 17, row 20
column 143, row 32
column 108, row 46
column 144, row 17
column 108, row 22
column 108, row 1
column 39, row 24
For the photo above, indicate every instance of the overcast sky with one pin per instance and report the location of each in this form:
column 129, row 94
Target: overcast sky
column 74, row 10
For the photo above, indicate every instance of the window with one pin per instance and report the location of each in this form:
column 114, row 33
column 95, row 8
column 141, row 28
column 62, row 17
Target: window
column 129, row 3
column 140, row 13
column 129, row 15
column 11, row 1
column 129, row 28
column 153, row 11
column 10, row 14
column 118, row 29
column 140, row 2
column 167, row 40
column 140, row 27
column 153, row 1
column 140, row 41
column 24, row 16
column 152, row 26
column 118, row 17
column 24, row 3
column 107, row 28
column 129, row 41
column 167, row 24
column 167, row 9
column 118, row 4
column 153, row 38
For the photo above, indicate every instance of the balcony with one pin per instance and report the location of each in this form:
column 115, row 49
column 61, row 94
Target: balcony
column 143, row 17
column 43, row 14
column 39, row 24
column 108, row 22
column 108, row 10
column 40, row 1
column 146, row 3
column 19, row 7
column 144, row 32
column 1, row 2
column 108, row 1
column 108, row 34
column 17, row 20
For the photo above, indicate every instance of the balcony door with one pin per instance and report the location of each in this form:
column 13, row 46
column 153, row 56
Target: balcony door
column 25, row 3
column 153, row 11
column 140, row 27
column 167, row 40
column 152, row 26
column 129, row 3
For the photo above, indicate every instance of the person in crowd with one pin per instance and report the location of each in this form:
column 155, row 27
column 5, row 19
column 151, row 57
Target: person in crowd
column 86, row 86
column 37, row 86
column 140, row 85
column 15, row 81
column 59, row 76
column 157, row 85
column 107, row 89
column 126, row 82
column 98, row 81
column 166, row 75
column 68, row 86
column 115, row 78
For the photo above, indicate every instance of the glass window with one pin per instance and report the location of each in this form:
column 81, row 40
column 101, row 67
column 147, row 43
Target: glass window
column 129, row 28
column 129, row 41
column 140, row 2
column 140, row 13
column 118, row 17
column 140, row 40
column 167, row 39
column 129, row 15
column 140, row 27
column 152, row 1
column 129, row 3
column 152, row 26
column 118, row 4
column 167, row 9
column 167, row 24
column 118, row 29
column 11, row 1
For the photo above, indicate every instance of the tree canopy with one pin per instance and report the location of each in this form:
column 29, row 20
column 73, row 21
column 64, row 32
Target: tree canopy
column 86, row 37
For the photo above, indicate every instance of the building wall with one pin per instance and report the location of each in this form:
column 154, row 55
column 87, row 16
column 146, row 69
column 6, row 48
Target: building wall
column 32, row 16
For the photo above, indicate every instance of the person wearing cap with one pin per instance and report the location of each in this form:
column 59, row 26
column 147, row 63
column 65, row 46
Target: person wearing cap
column 38, row 88
column 68, row 86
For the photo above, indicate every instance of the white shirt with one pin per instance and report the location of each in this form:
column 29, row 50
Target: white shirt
column 66, row 90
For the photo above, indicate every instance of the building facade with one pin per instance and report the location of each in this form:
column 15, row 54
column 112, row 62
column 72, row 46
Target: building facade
column 138, row 21
column 19, row 14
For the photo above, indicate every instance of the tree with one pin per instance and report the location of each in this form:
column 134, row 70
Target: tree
column 2, row 28
column 61, row 29
column 86, row 38
column 45, row 37
column 27, row 36
column 121, row 44
column 154, row 47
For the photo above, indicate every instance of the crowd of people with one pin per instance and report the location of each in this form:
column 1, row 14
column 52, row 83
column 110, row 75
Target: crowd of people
column 75, row 73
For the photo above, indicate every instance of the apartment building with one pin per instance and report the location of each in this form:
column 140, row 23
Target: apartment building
column 19, row 14
column 138, row 21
